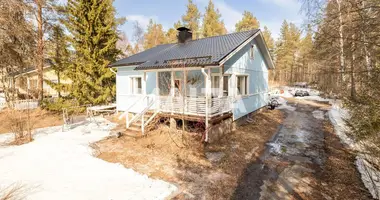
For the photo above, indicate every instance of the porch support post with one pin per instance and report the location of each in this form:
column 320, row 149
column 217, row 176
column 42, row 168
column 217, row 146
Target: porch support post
column 172, row 89
column 157, row 85
column 221, row 82
column 208, row 97
column 144, row 84
column 184, row 90
column 172, row 83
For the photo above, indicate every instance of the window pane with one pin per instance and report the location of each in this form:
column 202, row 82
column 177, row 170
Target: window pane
column 139, row 88
column 245, row 85
column 164, row 83
column 225, row 86
column 239, row 85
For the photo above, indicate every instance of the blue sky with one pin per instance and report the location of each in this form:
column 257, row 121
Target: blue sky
column 269, row 12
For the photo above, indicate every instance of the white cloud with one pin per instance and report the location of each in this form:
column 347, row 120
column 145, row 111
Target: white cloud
column 141, row 19
column 283, row 3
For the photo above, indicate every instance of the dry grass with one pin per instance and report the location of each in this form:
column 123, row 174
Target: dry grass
column 180, row 158
column 13, row 192
column 339, row 178
column 39, row 119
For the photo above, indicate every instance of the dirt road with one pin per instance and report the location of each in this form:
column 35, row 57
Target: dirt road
column 304, row 160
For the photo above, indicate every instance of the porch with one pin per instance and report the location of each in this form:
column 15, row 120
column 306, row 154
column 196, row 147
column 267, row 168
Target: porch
column 196, row 94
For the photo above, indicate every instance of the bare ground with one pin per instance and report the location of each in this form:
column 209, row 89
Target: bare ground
column 38, row 119
column 304, row 158
column 181, row 158
column 304, row 161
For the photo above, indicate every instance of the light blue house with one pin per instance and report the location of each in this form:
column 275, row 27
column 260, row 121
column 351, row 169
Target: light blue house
column 205, row 79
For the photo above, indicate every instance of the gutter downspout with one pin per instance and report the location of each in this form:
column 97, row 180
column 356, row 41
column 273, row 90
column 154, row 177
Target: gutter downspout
column 207, row 100
column 117, row 111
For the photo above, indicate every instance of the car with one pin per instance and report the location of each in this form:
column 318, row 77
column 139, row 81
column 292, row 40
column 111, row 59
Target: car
column 301, row 93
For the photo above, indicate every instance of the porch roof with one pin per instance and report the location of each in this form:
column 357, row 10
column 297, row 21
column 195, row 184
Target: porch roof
column 201, row 52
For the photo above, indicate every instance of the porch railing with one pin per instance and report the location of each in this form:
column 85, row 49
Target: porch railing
column 195, row 105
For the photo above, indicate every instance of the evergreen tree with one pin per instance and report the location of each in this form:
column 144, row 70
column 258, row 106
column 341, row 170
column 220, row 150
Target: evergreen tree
column 212, row 24
column 286, row 51
column 59, row 57
column 154, row 36
column 248, row 22
column 171, row 35
column 191, row 19
column 268, row 39
column 93, row 36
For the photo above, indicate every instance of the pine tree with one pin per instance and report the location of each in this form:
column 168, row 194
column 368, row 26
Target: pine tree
column 171, row 34
column 191, row 19
column 248, row 22
column 286, row 51
column 268, row 39
column 212, row 24
column 59, row 57
column 93, row 35
column 154, row 36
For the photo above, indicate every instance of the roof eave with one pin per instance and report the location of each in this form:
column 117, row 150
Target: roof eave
column 124, row 65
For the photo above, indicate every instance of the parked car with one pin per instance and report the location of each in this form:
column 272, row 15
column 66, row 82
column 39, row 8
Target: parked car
column 301, row 93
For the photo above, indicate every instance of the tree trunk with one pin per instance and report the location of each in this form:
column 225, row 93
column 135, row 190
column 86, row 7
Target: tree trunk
column 341, row 43
column 40, row 51
column 352, row 74
column 59, row 84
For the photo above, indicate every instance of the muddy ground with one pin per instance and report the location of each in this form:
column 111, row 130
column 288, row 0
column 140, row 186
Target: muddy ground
column 305, row 160
column 200, row 172
column 290, row 153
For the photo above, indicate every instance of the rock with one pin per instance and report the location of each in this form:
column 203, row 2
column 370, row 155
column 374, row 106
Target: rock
column 116, row 134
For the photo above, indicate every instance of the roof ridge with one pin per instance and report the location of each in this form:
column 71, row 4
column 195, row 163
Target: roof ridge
column 216, row 36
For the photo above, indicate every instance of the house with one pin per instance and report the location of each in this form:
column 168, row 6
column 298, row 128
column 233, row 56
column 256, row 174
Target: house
column 210, row 79
column 28, row 79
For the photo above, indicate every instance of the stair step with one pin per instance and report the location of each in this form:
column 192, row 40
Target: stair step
column 134, row 128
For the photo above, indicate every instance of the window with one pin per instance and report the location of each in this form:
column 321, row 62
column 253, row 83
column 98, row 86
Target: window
column 164, row 83
column 136, row 85
column 242, row 85
column 252, row 52
column 215, row 82
column 225, row 86
column 215, row 85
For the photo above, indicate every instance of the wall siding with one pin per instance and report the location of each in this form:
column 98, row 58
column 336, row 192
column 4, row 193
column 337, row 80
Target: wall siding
column 123, row 98
column 257, row 71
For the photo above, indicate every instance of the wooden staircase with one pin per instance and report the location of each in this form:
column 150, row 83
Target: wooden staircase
column 136, row 126
column 142, row 117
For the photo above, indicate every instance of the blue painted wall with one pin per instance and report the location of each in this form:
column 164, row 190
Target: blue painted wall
column 240, row 64
column 257, row 71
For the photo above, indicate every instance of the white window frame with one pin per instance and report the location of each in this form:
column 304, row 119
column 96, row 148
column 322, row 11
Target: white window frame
column 245, row 86
column 132, row 90
column 215, row 83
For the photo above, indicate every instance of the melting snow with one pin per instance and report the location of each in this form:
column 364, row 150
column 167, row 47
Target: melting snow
column 60, row 165
column 318, row 114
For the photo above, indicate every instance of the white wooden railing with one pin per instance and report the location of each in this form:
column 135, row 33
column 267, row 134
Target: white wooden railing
column 176, row 105
column 195, row 105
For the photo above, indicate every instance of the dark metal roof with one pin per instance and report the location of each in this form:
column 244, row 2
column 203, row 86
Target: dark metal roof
column 141, row 57
column 201, row 52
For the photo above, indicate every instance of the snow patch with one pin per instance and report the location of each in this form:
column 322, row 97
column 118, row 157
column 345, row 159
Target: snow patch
column 286, row 106
column 60, row 165
column 370, row 176
column 337, row 116
column 318, row 114
column 275, row 148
